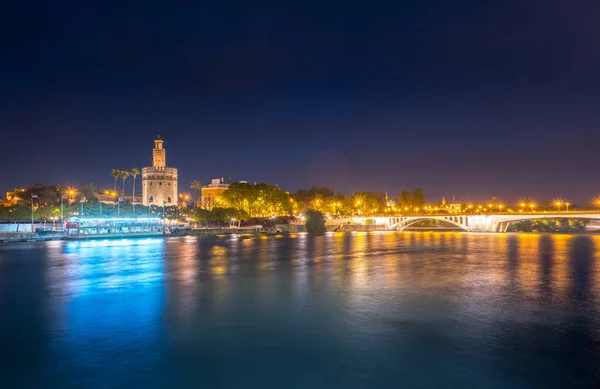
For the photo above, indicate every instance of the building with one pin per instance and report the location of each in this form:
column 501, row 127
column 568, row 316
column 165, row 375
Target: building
column 14, row 197
column 159, row 182
column 453, row 207
column 211, row 193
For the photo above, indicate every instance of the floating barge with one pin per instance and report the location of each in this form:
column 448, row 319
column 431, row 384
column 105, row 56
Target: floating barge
column 119, row 227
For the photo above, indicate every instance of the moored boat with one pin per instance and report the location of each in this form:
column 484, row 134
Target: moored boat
column 119, row 227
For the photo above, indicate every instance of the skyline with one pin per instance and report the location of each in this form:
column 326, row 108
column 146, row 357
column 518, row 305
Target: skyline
column 471, row 100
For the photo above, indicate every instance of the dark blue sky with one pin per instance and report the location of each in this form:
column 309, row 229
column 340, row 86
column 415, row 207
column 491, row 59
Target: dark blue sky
column 471, row 98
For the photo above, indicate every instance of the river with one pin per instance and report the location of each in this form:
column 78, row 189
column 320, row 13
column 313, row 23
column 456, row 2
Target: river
column 355, row 310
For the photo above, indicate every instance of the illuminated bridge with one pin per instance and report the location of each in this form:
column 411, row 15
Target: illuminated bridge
column 466, row 222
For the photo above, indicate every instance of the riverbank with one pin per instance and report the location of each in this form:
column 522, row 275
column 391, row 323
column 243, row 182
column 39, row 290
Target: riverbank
column 15, row 237
column 19, row 237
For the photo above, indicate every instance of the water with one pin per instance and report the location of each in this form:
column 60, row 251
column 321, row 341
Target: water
column 380, row 310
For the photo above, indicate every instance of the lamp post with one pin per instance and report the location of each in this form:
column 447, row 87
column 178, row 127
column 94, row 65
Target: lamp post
column 81, row 202
column 62, row 211
column 33, row 196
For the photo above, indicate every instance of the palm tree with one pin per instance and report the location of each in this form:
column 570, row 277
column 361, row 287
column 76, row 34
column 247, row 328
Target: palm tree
column 124, row 174
column 195, row 185
column 116, row 173
column 134, row 172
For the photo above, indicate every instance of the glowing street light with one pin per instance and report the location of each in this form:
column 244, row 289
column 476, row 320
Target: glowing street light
column 71, row 192
column 558, row 204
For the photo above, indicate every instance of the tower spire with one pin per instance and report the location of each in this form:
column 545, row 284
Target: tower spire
column 159, row 155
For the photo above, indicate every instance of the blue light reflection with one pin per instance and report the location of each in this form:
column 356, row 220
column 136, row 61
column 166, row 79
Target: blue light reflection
column 112, row 297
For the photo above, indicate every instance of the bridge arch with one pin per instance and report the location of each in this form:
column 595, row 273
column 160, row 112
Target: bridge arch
column 407, row 222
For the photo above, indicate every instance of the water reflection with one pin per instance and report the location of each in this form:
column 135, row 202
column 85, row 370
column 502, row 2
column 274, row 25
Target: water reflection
column 348, row 310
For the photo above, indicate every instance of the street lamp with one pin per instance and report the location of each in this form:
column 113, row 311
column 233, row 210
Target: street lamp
column 558, row 205
column 62, row 210
column 81, row 202
column 33, row 196
column 71, row 192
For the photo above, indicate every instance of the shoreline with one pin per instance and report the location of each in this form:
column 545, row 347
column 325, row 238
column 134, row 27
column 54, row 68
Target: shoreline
column 31, row 237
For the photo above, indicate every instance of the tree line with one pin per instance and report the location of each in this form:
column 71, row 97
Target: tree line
column 242, row 201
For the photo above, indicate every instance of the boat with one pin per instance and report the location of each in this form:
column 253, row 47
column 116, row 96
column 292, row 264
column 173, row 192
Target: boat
column 113, row 227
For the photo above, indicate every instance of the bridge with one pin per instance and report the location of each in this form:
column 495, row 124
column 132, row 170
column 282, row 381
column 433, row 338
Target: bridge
column 467, row 222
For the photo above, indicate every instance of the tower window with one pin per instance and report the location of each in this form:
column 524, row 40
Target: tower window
column 151, row 199
column 160, row 183
column 169, row 200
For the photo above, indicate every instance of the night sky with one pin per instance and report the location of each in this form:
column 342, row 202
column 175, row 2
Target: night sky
column 467, row 97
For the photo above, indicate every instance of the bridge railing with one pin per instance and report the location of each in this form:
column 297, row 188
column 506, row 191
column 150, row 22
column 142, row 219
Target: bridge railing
column 561, row 212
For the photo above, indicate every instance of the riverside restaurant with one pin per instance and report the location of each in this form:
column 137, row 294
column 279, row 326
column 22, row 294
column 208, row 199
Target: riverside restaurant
column 118, row 227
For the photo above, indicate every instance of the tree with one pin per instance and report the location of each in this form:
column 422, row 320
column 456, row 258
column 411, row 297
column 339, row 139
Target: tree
column 238, row 196
column 49, row 196
column 418, row 198
column 196, row 186
column 201, row 216
column 116, row 173
column 405, row 200
column 315, row 222
column 89, row 192
column 257, row 200
column 221, row 215
column 134, row 173
column 16, row 212
column 272, row 200
column 124, row 174
column 47, row 212
column 306, row 196
column 366, row 202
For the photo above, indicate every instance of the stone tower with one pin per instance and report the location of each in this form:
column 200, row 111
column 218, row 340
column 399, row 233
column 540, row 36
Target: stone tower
column 159, row 182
